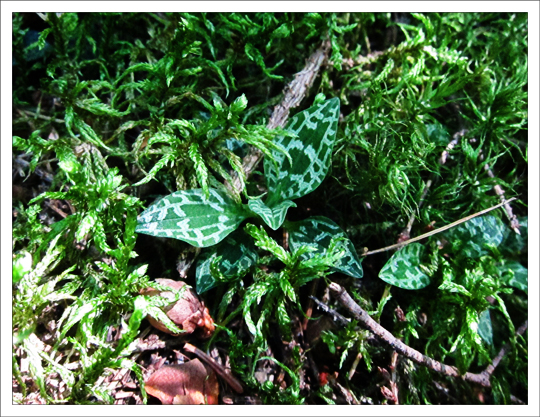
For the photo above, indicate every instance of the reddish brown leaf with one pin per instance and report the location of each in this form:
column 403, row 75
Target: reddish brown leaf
column 189, row 383
column 188, row 313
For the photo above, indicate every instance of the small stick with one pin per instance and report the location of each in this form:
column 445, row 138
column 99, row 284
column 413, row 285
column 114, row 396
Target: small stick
column 491, row 367
column 455, row 140
column 362, row 316
column 56, row 209
column 406, row 233
column 393, row 383
column 354, row 365
column 439, row 230
column 514, row 224
column 218, row 369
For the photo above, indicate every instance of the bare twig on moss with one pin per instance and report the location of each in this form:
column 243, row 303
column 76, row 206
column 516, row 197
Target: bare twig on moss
column 491, row 368
column 516, row 400
column 514, row 224
column 406, row 233
column 439, row 230
column 341, row 295
column 294, row 93
column 455, row 140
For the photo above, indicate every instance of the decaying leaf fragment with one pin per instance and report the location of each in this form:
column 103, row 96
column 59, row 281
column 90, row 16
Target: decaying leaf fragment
column 190, row 383
column 189, row 313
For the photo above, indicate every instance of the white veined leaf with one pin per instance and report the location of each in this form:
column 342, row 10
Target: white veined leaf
column 272, row 216
column 318, row 232
column 238, row 254
column 473, row 238
column 403, row 268
column 188, row 216
column 310, row 152
column 485, row 329
column 514, row 274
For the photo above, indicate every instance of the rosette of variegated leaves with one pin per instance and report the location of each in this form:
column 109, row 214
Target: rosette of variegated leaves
column 210, row 221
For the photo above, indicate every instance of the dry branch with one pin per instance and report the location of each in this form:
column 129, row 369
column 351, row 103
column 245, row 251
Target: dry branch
column 341, row 295
column 514, row 223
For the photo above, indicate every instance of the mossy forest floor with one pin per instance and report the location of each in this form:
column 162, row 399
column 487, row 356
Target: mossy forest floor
column 112, row 111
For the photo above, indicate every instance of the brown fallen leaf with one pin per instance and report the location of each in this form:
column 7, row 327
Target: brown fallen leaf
column 219, row 369
column 188, row 313
column 190, row 383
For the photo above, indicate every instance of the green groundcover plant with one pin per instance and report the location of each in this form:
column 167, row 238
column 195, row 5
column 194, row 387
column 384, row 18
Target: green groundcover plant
column 129, row 133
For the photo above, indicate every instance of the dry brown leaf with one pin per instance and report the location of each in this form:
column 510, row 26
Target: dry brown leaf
column 189, row 383
column 188, row 313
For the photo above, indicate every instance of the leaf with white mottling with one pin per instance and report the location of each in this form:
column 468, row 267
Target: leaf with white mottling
column 272, row 216
column 318, row 232
column 237, row 253
column 403, row 268
column 310, row 152
column 188, row 216
column 472, row 238
column 514, row 274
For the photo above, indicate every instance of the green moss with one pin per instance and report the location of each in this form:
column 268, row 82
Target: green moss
column 113, row 110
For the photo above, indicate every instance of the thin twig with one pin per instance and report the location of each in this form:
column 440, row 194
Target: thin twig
column 218, row 369
column 363, row 317
column 516, row 400
column 406, row 233
column 514, row 224
column 56, row 209
column 491, row 368
column 294, row 93
column 455, row 140
column 393, row 381
column 439, row 230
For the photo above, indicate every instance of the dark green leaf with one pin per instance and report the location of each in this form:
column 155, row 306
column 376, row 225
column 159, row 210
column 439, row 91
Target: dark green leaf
column 485, row 329
column 472, row 238
column 237, row 254
column 403, row 268
column 272, row 216
column 318, row 232
column 310, row 153
column 515, row 275
column 188, row 216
